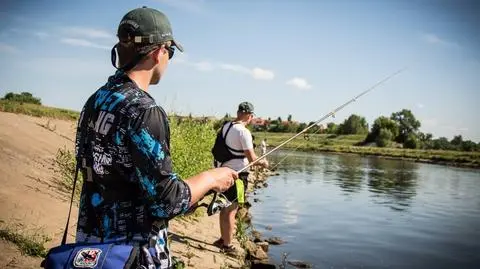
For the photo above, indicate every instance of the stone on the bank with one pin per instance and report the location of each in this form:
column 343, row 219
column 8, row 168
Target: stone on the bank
column 275, row 241
column 242, row 213
column 299, row 264
column 250, row 247
column 257, row 236
column 262, row 265
column 263, row 245
column 260, row 254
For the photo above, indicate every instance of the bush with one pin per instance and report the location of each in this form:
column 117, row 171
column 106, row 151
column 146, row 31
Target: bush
column 412, row 142
column 191, row 143
column 24, row 97
column 384, row 138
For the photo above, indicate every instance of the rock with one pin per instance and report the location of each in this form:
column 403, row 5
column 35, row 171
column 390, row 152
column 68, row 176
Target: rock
column 268, row 227
column 255, row 200
column 262, row 265
column 299, row 264
column 257, row 236
column 260, row 254
column 242, row 213
column 251, row 247
column 275, row 241
column 263, row 245
column 265, row 184
column 254, row 193
column 248, row 204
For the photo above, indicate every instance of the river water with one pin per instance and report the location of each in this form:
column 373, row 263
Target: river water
column 348, row 211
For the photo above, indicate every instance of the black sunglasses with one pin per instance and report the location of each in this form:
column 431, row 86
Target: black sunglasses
column 171, row 51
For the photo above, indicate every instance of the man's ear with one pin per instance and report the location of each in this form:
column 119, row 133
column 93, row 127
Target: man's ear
column 158, row 53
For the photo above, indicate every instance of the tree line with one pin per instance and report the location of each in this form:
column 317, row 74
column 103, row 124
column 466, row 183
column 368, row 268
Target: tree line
column 401, row 129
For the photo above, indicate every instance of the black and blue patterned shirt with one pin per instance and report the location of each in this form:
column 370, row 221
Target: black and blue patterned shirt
column 123, row 149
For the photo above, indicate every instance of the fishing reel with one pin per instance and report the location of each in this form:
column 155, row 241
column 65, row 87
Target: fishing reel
column 215, row 206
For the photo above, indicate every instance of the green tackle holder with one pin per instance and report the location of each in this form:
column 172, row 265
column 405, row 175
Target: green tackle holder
column 241, row 185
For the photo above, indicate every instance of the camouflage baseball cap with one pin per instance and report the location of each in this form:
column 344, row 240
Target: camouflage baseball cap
column 246, row 107
column 146, row 26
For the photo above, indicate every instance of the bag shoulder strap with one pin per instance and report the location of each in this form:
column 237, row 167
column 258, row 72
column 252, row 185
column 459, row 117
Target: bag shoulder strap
column 225, row 141
column 64, row 238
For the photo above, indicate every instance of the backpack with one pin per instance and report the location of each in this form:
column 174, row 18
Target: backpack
column 221, row 151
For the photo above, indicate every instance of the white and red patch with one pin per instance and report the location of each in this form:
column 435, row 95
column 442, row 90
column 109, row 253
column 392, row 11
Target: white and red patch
column 87, row 258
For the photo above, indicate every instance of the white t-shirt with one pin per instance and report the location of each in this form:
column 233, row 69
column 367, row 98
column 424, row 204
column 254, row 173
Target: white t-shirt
column 238, row 138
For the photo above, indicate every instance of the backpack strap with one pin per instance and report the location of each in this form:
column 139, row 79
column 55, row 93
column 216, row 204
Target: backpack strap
column 230, row 148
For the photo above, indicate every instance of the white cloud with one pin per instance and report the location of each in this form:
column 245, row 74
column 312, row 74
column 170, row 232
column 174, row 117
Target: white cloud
column 420, row 105
column 299, row 83
column 262, row 74
column 82, row 43
column 203, row 66
column 256, row 72
column 88, row 32
column 8, row 48
column 235, row 68
column 436, row 40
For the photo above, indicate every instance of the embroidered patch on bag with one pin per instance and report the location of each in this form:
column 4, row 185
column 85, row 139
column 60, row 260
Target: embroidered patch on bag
column 87, row 257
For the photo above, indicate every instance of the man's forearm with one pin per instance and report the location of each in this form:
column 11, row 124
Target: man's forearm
column 199, row 185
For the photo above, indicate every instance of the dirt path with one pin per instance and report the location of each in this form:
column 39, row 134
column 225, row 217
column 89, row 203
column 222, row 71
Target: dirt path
column 31, row 202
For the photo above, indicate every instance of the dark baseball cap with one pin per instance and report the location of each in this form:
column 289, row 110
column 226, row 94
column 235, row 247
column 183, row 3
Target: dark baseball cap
column 246, row 107
column 145, row 27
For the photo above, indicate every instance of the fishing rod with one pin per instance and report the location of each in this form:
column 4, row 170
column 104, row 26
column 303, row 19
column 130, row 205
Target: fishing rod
column 216, row 205
column 322, row 119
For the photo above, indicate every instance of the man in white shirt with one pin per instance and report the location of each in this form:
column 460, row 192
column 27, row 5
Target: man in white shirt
column 240, row 144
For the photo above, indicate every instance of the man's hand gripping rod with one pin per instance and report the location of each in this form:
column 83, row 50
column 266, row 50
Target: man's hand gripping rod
column 322, row 119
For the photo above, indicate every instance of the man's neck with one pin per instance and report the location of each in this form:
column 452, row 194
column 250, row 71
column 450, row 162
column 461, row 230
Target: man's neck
column 240, row 120
column 141, row 78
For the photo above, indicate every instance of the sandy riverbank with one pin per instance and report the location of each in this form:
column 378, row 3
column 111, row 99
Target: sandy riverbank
column 33, row 204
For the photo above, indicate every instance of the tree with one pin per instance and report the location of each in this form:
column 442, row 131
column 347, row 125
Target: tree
column 468, row 146
column 289, row 118
column 382, row 122
column 442, row 143
column 457, row 141
column 353, row 125
column 24, row 97
column 384, row 137
column 407, row 124
column 302, row 126
column 426, row 140
column 331, row 128
column 412, row 141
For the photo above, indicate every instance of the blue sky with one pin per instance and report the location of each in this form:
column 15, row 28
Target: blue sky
column 287, row 57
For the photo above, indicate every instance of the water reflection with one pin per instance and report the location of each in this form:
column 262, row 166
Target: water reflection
column 349, row 173
column 393, row 182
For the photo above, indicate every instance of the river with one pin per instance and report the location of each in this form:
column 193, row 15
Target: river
column 349, row 211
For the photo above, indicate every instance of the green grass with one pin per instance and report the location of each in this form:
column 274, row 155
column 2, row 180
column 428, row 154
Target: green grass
column 38, row 110
column 28, row 244
column 347, row 144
